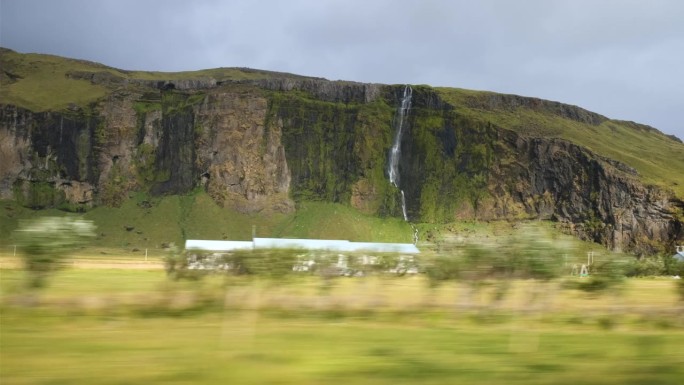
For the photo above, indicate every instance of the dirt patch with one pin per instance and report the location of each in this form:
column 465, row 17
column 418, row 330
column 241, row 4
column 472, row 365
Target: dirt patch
column 15, row 263
column 118, row 265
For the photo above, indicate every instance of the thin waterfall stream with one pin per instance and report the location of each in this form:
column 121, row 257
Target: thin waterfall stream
column 395, row 153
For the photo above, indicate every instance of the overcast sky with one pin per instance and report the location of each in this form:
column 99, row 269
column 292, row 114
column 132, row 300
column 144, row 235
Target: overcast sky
column 621, row 58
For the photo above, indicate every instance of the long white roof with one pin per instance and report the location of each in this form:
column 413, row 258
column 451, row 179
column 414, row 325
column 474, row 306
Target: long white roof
column 405, row 248
column 207, row 245
column 679, row 256
column 306, row 244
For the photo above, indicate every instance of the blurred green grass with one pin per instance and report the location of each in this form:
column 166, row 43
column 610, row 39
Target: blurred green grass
column 114, row 326
column 237, row 347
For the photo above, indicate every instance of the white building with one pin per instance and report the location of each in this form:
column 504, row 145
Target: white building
column 336, row 249
column 680, row 254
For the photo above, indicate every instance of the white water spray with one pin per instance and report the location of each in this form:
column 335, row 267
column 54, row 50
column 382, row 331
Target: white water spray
column 395, row 152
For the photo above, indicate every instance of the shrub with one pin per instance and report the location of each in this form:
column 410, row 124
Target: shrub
column 655, row 266
column 45, row 242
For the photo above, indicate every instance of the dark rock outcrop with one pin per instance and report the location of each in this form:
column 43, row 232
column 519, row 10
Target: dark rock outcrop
column 329, row 91
column 241, row 156
column 494, row 101
column 599, row 199
column 48, row 158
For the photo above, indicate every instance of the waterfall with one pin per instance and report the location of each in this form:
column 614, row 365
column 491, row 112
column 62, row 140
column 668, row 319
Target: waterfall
column 403, row 205
column 395, row 153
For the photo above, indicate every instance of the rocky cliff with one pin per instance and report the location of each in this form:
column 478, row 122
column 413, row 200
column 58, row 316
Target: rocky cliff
column 263, row 144
column 455, row 167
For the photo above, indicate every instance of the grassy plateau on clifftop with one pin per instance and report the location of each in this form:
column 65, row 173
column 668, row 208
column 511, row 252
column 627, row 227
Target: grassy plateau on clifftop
column 42, row 82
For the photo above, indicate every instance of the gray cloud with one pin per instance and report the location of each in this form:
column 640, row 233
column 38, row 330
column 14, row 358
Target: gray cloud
column 621, row 58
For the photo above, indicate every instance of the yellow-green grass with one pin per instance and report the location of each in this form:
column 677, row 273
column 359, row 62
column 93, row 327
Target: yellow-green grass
column 78, row 282
column 41, row 82
column 658, row 159
column 82, row 333
column 235, row 348
column 323, row 220
column 218, row 74
column 388, row 293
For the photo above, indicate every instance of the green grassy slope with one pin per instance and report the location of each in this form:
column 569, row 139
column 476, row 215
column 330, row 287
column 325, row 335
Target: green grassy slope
column 336, row 221
column 220, row 74
column 40, row 82
column 145, row 222
column 658, row 159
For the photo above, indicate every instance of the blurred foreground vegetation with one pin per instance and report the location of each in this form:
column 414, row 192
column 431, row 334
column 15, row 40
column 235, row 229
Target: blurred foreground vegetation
column 513, row 309
column 45, row 242
column 113, row 326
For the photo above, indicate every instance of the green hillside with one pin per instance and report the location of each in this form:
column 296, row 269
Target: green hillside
column 658, row 158
column 148, row 222
column 45, row 82
column 39, row 82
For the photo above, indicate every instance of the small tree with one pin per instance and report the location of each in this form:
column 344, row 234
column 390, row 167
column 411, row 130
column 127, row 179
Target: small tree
column 45, row 242
column 177, row 265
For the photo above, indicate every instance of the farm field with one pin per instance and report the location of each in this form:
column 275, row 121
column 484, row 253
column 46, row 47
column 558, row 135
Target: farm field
column 118, row 325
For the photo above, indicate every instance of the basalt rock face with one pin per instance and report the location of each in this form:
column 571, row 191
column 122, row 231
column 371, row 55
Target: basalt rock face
column 218, row 141
column 261, row 145
column 503, row 101
column 453, row 167
column 338, row 91
column 241, row 158
column 331, row 91
column 48, row 159
column 170, row 145
column 595, row 198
